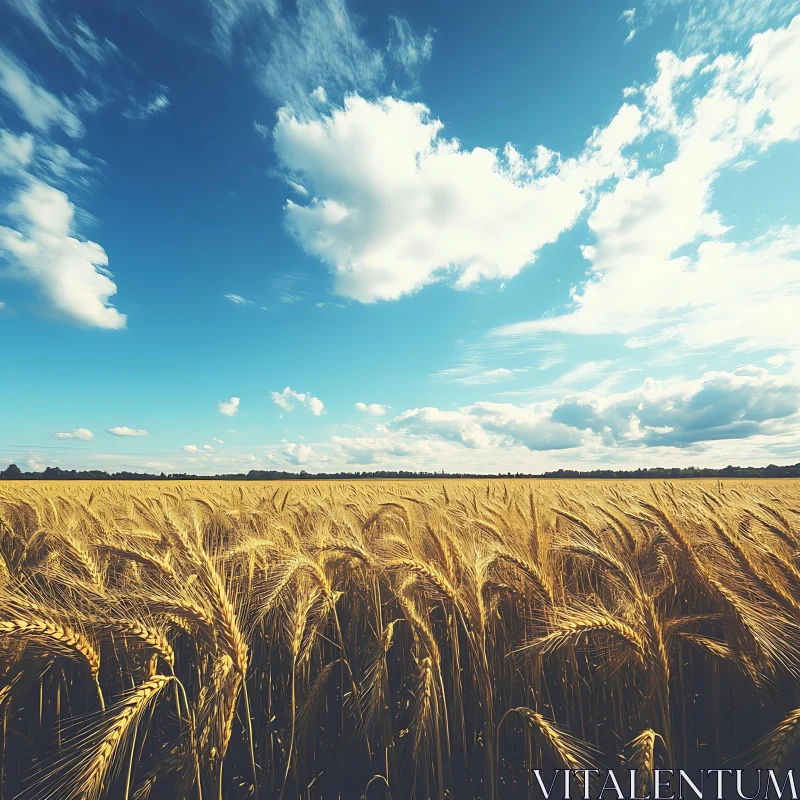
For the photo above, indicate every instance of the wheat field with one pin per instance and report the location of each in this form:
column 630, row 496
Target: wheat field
column 427, row 639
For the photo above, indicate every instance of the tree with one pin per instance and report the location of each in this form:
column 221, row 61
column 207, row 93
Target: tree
column 11, row 473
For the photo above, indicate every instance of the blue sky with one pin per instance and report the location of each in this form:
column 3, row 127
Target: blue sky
column 243, row 234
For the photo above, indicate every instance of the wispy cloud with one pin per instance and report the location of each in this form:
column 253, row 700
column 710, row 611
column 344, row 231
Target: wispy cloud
column 628, row 17
column 407, row 49
column 710, row 25
column 42, row 109
column 288, row 287
column 70, row 35
column 238, row 300
column 479, row 377
column 320, row 46
column 157, row 104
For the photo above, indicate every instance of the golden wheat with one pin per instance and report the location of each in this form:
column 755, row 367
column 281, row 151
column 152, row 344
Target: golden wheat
column 390, row 639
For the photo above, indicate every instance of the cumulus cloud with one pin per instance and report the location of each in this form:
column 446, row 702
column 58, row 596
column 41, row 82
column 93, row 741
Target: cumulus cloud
column 747, row 402
column 298, row 453
column 82, row 434
column 124, row 430
column 71, row 274
column 42, row 109
column 645, row 280
column 394, row 205
column 229, row 408
column 721, row 405
column 487, row 425
column 288, row 397
column 373, row 409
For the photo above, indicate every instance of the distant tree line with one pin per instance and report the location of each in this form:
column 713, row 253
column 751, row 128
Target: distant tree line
column 13, row 472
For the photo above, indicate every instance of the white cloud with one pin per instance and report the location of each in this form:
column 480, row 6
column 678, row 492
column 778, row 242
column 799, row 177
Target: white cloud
column 479, row 377
column 287, row 287
column 238, row 300
column 583, row 372
column 42, row 109
column 159, row 466
column 748, row 403
column 712, row 25
column 157, row 104
column 727, row 291
column 229, row 407
column 227, row 15
column 81, row 434
column 15, row 151
column 490, row 425
column 97, row 48
column 298, row 453
column 218, row 441
column 288, row 397
column 373, row 409
column 58, row 165
column 395, row 206
column 375, row 449
column 319, row 46
column 407, row 49
column 628, row 17
column 320, row 95
column 75, row 39
column 123, row 430
column 208, row 461
column 193, row 448
column 550, row 360
column 71, row 274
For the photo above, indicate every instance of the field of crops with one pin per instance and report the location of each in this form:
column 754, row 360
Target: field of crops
column 390, row 640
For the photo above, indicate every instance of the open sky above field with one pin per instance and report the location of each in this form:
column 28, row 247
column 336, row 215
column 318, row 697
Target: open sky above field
column 323, row 235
